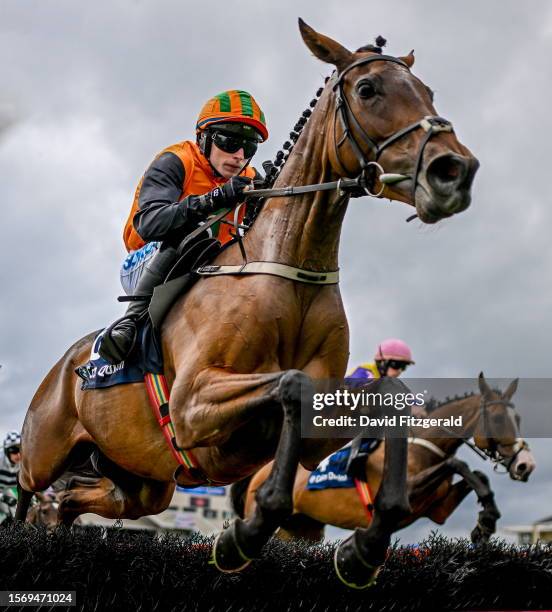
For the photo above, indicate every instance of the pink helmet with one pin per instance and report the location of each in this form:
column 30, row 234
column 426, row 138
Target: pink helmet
column 393, row 348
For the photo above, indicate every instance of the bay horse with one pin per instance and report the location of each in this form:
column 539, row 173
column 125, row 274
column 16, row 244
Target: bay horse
column 238, row 349
column 431, row 467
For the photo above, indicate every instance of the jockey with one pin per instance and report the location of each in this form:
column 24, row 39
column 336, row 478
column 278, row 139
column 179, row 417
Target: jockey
column 186, row 183
column 10, row 462
column 391, row 359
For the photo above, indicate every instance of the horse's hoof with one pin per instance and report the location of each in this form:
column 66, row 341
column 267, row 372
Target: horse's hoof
column 351, row 568
column 476, row 535
column 480, row 536
column 227, row 556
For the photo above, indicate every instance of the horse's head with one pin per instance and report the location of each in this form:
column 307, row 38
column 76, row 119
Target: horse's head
column 497, row 431
column 385, row 125
column 45, row 511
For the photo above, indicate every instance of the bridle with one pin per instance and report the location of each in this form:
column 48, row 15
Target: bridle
column 431, row 125
column 491, row 452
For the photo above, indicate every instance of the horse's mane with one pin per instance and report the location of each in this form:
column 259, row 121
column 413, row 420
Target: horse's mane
column 432, row 403
column 273, row 168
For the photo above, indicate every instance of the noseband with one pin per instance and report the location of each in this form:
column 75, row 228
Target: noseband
column 431, row 124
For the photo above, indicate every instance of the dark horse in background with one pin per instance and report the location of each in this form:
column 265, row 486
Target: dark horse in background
column 238, row 349
column 432, row 464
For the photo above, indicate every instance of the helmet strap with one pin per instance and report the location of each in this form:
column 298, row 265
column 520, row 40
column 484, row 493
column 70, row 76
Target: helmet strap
column 205, row 143
column 381, row 365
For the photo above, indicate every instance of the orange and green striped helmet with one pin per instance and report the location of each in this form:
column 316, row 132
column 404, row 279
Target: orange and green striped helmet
column 233, row 106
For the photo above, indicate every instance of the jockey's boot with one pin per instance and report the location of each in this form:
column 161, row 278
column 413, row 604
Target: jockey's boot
column 120, row 337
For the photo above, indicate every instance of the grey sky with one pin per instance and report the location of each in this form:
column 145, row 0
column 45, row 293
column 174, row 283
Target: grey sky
column 91, row 92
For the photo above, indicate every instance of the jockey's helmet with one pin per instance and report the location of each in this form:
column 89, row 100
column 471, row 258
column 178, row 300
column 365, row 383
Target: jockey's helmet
column 393, row 349
column 12, row 442
column 231, row 119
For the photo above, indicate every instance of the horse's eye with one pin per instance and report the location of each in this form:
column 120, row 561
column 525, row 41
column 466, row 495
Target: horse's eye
column 366, row 89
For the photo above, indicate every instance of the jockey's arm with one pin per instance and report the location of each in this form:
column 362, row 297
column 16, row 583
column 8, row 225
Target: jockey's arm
column 160, row 213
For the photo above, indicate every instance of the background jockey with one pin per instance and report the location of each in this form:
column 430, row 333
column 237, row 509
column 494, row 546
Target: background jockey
column 391, row 359
column 185, row 183
column 9, row 467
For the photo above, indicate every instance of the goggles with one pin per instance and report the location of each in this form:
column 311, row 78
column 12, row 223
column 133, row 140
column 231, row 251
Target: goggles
column 230, row 143
column 396, row 364
column 13, row 450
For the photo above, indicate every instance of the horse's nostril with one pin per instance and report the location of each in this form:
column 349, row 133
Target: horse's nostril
column 447, row 172
column 521, row 468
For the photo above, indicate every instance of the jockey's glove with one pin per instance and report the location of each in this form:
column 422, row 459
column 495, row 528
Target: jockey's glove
column 224, row 196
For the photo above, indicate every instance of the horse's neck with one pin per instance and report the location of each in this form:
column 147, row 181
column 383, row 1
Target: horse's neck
column 303, row 230
column 468, row 409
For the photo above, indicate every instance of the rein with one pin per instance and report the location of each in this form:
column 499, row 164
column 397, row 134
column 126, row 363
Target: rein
column 272, row 268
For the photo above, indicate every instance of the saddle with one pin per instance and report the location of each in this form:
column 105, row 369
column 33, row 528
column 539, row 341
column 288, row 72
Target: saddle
column 181, row 277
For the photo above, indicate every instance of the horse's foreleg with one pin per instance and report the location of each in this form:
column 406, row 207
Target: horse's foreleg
column 359, row 558
column 431, row 493
column 244, row 539
column 423, row 485
column 441, row 509
column 489, row 515
column 23, row 502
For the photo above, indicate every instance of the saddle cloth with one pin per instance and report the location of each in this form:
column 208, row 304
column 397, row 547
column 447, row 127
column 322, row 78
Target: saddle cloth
column 146, row 357
column 331, row 472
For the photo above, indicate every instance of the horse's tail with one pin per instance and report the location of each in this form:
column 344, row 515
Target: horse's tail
column 238, row 491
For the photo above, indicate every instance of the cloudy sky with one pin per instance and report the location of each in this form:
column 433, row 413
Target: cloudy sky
column 91, row 92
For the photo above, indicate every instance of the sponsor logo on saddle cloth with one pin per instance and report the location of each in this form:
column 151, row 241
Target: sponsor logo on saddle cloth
column 330, row 473
column 98, row 373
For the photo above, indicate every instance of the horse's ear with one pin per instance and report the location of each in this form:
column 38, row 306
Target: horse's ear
column 512, row 388
column 324, row 48
column 408, row 59
column 484, row 387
